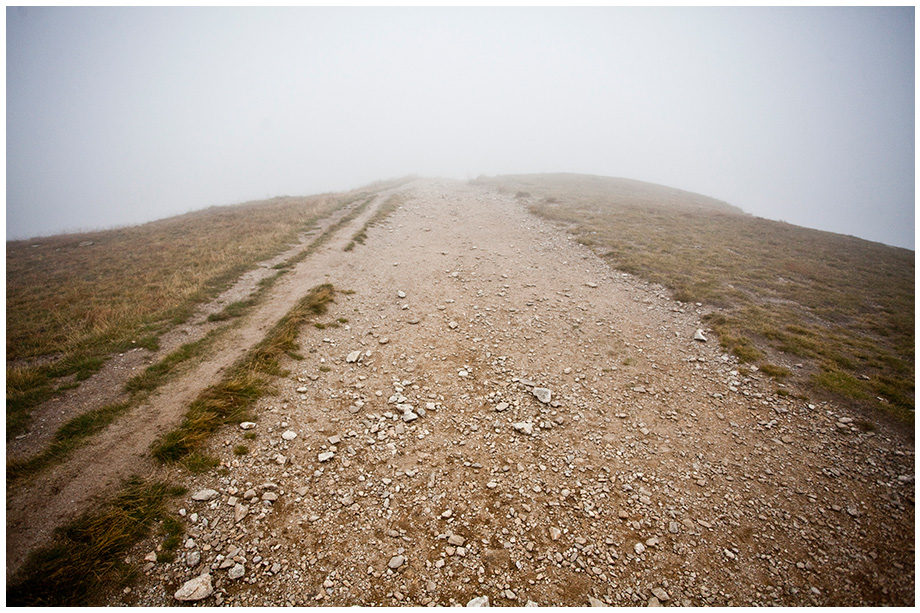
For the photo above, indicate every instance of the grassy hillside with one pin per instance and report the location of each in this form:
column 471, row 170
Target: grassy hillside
column 73, row 300
column 834, row 313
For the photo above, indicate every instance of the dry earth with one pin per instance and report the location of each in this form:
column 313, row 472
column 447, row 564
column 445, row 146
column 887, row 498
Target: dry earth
column 407, row 460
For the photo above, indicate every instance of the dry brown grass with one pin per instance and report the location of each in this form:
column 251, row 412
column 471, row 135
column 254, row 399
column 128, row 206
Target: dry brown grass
column 70, row 306
column 841, row 306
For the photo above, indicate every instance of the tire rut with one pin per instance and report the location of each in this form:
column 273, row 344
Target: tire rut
column 36, row 507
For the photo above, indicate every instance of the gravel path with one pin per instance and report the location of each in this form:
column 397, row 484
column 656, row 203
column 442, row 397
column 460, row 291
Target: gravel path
column 498, row 414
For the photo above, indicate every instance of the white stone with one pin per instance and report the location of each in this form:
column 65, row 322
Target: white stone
column 479, row 601
column 352, row 357
column 289, row 435
column 325, row 456
column 237, row 571
column 247, row 425
column 205, row 495
column 543, row 394
column 198, row 588
column 524, row 427
column 698, row 336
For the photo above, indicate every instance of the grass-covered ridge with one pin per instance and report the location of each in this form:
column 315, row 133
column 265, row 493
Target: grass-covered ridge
column 841, row 306
column 71, row 304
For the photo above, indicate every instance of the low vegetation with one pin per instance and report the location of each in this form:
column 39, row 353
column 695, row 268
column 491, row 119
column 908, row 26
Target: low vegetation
column 229, row 400
column 94, row 546
column 90, row 551
column 835, row 310
column 74, row 300
column 385, row 210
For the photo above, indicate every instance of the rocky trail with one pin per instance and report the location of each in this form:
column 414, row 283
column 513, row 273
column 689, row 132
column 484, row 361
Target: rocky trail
column 498, row 417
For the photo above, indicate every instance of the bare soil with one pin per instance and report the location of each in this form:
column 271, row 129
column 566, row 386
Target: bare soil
column 658, row 473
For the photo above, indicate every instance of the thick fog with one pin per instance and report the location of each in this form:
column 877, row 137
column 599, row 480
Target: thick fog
column 118, row 116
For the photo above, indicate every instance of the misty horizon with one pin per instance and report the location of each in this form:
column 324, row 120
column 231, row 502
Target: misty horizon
column 119, row 116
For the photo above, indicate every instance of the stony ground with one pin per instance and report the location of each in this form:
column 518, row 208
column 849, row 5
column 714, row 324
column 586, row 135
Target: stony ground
column 495, row 413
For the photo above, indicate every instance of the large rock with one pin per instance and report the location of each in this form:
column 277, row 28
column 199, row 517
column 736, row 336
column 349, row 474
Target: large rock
column 198, row 588
column 479, row 601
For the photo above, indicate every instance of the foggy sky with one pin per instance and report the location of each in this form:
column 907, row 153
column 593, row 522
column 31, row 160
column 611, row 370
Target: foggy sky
column 117, row 116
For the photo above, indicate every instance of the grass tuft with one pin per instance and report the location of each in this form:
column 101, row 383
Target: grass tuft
column 89, row 552
column 228, row 401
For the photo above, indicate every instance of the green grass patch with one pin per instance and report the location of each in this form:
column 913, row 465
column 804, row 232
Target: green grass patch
column 156, row 374
column 89, row 553
column 232, row 310
column 68, row 437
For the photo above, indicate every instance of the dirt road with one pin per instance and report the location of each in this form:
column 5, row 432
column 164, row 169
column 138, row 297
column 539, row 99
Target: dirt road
column 502, row 415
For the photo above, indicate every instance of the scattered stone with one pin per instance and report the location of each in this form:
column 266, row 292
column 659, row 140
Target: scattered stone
column 198, row 588
column 150, row 557
column 523, row 427
column 289, row 435
column 205, row 495
column 240, row 511
column 453, row 325
column 409, row 416
column 501, row 406
column 237, row 571
column 594, row 602
column 479, row 601
column 660, row 594
column 555, row 533
column 247, row 425
column 640, row 548
column 193, row 558
column 456, row 540
column 396, row 561
column 384, row 341
column 353, row 357
column 401, row 294
column 325, row 456
column 699, row 336
column 543, row 394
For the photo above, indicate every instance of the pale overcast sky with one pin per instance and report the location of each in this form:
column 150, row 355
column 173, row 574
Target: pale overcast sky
column 117, row 116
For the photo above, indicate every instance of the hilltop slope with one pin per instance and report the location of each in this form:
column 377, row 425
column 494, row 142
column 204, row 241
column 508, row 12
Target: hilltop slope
column 489, row 409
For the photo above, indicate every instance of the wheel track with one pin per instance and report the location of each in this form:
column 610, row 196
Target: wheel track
column 36, row 507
